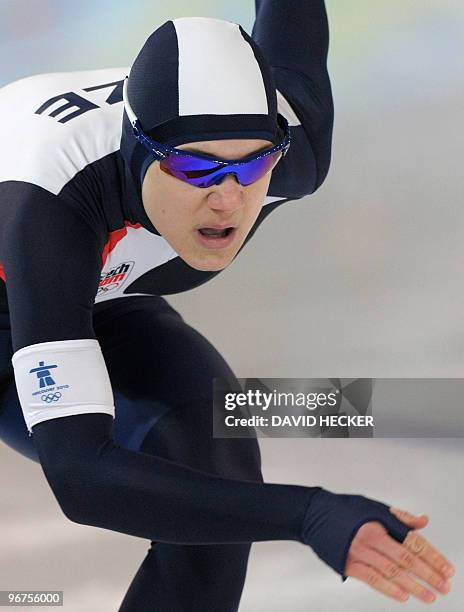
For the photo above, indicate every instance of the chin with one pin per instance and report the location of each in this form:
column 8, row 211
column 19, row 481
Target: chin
column 208, row 264
column 209, row 267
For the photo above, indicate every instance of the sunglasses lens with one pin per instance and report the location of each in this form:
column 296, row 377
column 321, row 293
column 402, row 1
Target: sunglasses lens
column 193, row 170
column 256, row 169
column 204, row 173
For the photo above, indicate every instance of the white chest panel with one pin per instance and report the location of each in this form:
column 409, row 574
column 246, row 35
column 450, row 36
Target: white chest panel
column 137, row 252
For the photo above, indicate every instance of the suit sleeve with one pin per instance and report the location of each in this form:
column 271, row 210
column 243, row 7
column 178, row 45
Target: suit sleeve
column 52, row 262
column 294, row 37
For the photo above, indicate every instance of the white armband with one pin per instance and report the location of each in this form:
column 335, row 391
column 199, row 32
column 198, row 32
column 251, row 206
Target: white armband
column 62, row 378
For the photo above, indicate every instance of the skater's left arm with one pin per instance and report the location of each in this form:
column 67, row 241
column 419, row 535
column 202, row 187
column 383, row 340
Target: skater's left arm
column 294, row 37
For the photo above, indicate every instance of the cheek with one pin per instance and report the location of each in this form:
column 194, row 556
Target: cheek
column 258, row 194
column 180, row 213
column 261, row 187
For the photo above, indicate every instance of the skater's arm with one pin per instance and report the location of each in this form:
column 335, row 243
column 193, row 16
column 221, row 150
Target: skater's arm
column 99, row 483
column 52, row 257
column 294, row 37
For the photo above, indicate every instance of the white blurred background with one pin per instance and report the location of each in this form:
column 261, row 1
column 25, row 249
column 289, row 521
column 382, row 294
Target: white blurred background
column 363, row 279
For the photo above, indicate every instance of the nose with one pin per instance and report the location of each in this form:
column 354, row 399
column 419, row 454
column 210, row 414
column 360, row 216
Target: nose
column 227, row 196
column 228, row 175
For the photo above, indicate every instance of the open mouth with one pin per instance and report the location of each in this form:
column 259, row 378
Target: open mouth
column 212, row 238
column 207, row 231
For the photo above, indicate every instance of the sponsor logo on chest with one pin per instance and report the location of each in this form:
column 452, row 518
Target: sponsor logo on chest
column 115, row 277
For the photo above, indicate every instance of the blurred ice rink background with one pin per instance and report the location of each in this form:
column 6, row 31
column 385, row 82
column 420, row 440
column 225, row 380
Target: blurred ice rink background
column 363, row 279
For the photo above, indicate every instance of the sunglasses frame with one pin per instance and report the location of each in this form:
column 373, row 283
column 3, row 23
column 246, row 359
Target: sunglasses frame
column 161, row 151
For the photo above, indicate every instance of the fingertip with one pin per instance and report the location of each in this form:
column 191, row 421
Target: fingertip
column 422, row 521
column 424, row 517
column 420, row 517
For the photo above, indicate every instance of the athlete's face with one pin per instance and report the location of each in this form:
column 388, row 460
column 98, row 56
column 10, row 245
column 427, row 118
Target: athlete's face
column 179, row 210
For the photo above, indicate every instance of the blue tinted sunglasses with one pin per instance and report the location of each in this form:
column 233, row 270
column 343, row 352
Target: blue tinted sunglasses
column 201, row 170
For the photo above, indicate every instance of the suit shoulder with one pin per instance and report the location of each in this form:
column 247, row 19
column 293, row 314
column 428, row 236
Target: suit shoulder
column 53, row 125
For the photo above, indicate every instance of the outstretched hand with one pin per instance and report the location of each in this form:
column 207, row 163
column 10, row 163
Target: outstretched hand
column 387, row 566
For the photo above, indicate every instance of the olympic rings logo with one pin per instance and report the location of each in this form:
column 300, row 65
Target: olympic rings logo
column 106, row 288
column 51, row 397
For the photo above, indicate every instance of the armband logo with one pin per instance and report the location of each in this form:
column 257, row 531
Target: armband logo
column 43, row 374
column 48, row 390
